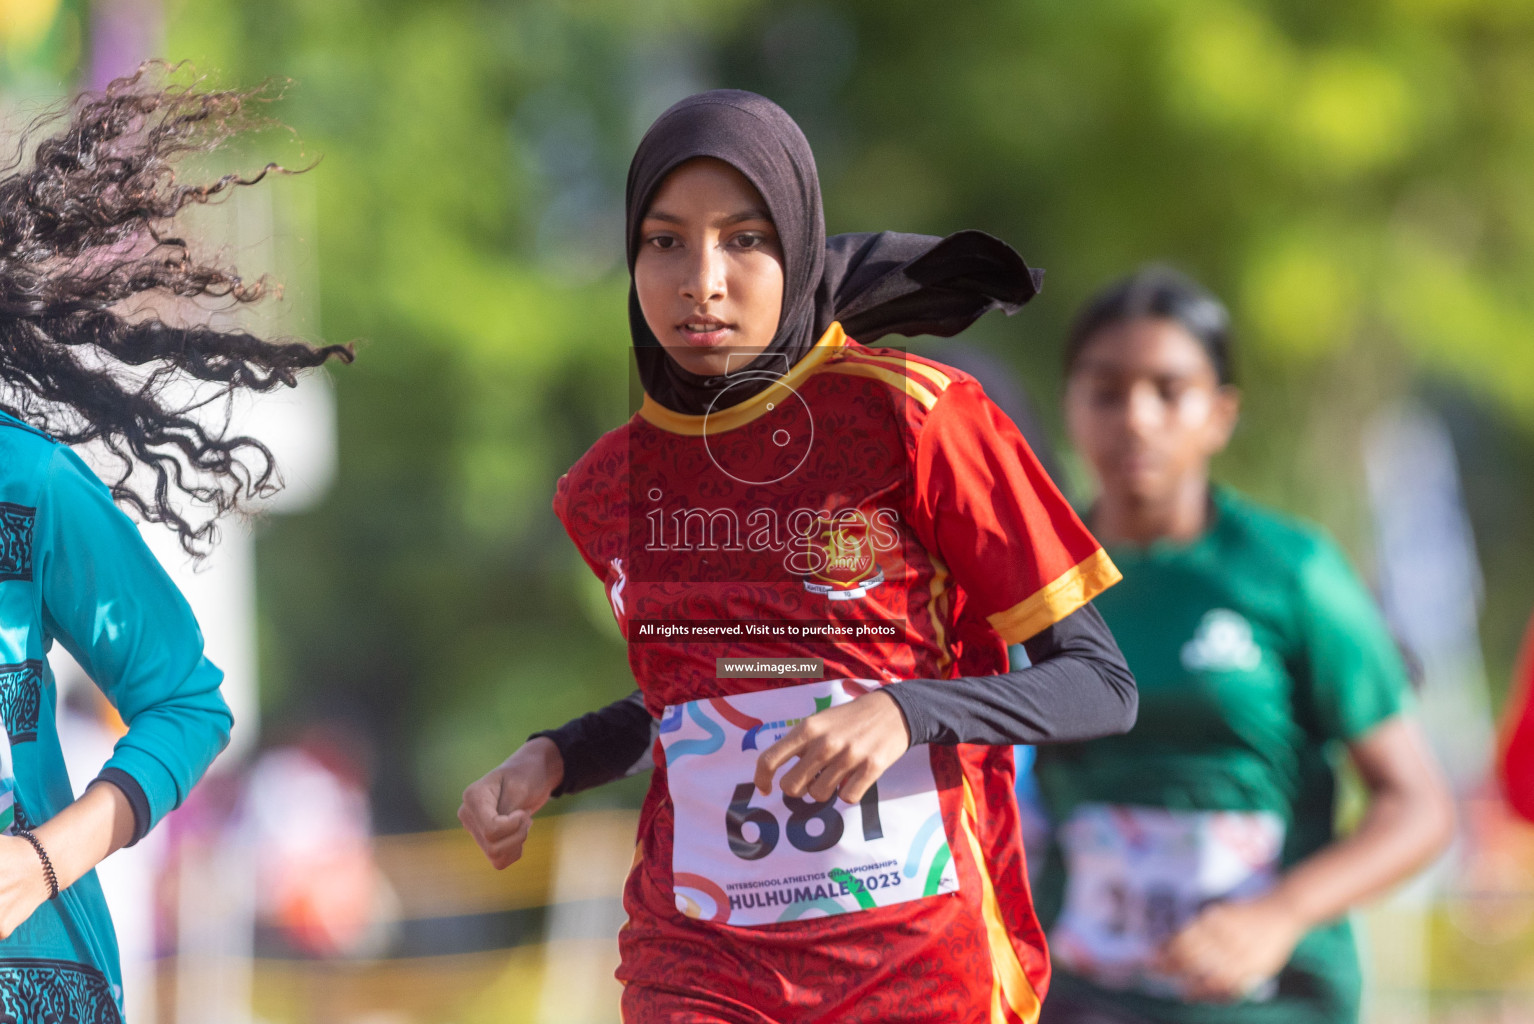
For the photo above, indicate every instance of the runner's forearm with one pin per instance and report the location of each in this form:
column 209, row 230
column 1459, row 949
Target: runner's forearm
column 86, row 832
column 1409, row 821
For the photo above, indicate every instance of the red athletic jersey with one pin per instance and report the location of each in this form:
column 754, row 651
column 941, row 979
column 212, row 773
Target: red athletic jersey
column 866, row 487
column 1517, row 760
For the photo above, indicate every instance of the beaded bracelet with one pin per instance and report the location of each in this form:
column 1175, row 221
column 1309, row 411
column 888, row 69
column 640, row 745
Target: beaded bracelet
column 53, row 879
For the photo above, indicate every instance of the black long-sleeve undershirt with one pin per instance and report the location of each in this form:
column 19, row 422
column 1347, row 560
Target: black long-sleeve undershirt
column 605, row 745
column 1078, row 687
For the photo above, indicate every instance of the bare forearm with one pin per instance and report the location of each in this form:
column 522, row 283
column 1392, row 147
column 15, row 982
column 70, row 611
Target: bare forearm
column 1230, row 947
column 1399, row 835
column 539, row 759
column 86, row 832
column 498, row 808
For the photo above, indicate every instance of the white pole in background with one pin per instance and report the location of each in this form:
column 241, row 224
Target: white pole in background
column 1430, row 588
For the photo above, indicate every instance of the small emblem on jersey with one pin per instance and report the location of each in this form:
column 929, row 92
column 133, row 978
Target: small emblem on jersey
column 840, row 554
column 1223, row 643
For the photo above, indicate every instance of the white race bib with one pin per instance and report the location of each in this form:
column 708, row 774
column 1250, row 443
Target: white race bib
column 741, row 858
column 1136, row 875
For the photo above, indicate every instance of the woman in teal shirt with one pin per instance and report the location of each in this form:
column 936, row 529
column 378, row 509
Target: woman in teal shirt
column 82, row 229
column 1196, row 876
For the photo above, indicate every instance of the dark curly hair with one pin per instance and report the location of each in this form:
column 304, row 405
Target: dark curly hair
column 86, row 224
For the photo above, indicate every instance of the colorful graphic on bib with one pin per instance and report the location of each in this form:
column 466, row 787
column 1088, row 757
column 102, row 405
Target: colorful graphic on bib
column 915, row 858
column 731, row 715
column 717, row 907
column 779, row 728
column 746, row 859
column 707, row 745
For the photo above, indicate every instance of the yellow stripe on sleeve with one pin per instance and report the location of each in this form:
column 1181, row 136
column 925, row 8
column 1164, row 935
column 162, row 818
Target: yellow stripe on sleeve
column 1056, row 599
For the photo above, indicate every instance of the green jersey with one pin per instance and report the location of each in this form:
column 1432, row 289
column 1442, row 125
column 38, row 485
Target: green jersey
column 1258, row 655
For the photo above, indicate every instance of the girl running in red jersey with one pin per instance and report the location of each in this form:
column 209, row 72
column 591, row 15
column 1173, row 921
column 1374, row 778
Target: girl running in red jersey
column 787, row 492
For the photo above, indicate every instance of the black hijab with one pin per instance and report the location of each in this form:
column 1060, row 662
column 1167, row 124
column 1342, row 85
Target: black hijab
column 875, row 284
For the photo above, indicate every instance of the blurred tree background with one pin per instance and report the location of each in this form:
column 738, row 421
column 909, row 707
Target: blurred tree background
column 1353, row 178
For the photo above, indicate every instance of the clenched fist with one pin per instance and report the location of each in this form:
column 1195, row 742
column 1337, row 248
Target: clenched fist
column 498, row 809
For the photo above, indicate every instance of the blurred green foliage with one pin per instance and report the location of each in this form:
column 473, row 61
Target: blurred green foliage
column 1354, row 178
column 41, row 46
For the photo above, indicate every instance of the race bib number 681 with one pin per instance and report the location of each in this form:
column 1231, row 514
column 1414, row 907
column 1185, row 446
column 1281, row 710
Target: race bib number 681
column 745, row 859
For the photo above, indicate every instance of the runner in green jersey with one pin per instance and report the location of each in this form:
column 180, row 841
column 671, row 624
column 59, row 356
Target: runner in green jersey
column 1196, row 876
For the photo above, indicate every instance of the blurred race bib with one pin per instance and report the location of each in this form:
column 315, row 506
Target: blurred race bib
column 1137, row 875
column 744, row 859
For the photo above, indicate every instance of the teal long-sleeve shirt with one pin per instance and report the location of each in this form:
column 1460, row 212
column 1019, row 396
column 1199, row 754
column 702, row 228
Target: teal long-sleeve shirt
column 74, row 569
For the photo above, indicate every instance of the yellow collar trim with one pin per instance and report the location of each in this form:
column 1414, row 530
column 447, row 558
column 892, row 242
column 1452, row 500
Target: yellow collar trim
column 758, row 405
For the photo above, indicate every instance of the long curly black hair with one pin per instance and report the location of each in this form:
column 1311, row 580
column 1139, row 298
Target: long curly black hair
column 86, row 232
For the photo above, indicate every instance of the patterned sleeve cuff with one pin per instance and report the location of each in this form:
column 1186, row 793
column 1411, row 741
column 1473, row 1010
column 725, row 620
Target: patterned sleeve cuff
column 136, row 799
